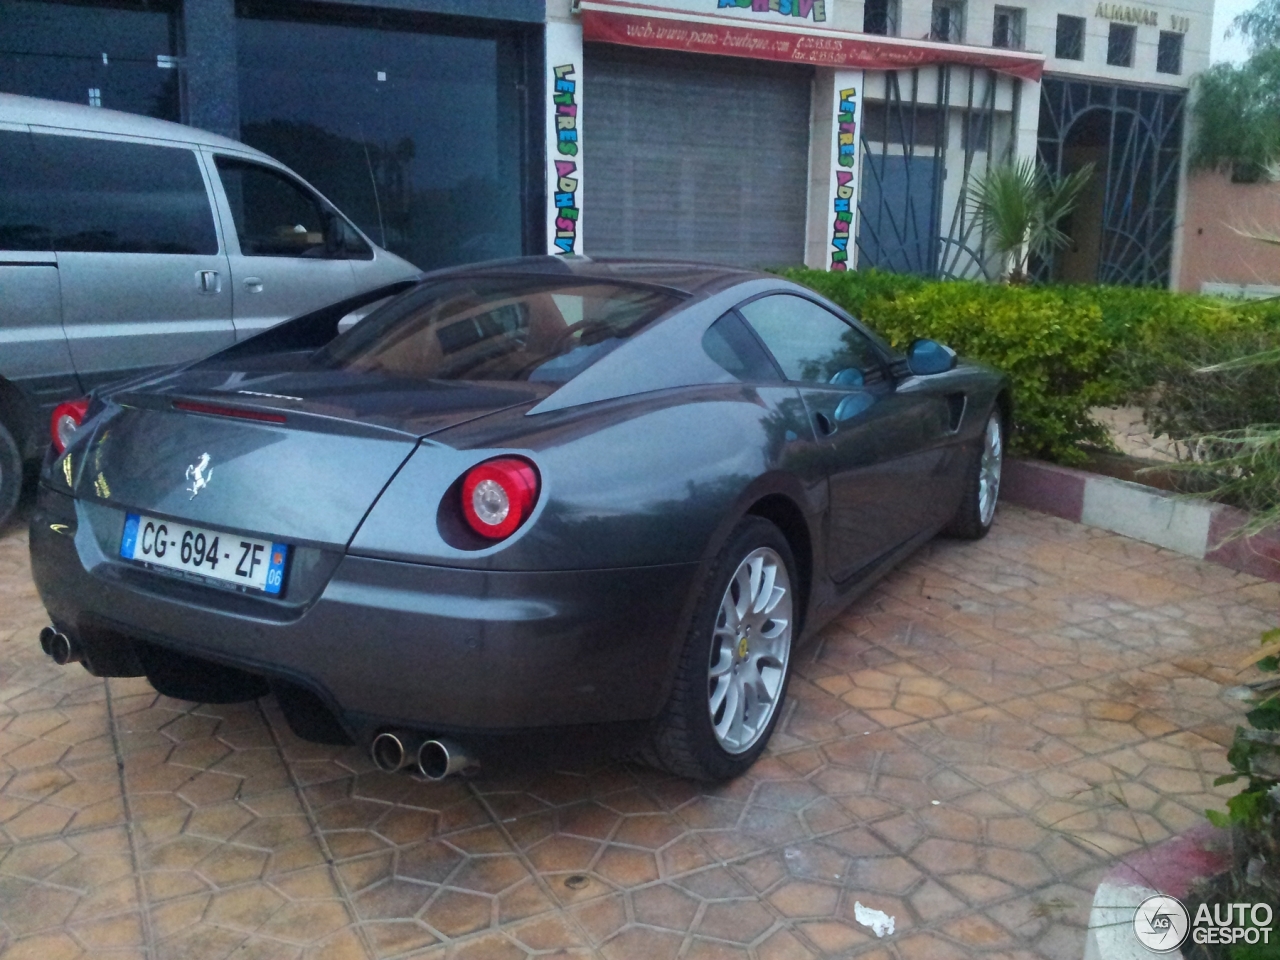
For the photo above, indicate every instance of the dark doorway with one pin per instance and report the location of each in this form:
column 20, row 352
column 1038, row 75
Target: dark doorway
column 121, row 55
column 417, row 127
column 1122, row 230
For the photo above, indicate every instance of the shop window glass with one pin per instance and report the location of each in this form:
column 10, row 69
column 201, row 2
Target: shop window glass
column 110, row 196
column 1169, row 53
column 1008, row 28
column 414, row 130
column 880, row 17
column 975, row 130
column 1069, row 44
column 121, row 55
column 902, row 123
column 948, row 21
column 1120, row 43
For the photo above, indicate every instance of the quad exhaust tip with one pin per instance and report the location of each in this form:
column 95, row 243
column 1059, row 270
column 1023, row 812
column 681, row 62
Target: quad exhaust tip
column 389, row 751
column 59, row 646
column 438, row 759
column 394, row 750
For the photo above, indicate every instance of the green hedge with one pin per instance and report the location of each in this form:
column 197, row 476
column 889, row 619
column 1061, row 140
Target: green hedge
column 1064, row 348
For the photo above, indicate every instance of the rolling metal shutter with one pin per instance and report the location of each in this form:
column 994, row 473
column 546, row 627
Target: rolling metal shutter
column 696, row 157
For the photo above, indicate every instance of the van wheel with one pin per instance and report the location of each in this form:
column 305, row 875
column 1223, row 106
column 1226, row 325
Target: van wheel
column 10, row 475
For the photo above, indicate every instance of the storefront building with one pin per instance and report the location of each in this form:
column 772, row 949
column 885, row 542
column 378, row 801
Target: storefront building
column 844, row 134
column 416, row 117
column 837, row 133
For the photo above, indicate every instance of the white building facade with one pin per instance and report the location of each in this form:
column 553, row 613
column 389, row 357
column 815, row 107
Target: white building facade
column 844, row 134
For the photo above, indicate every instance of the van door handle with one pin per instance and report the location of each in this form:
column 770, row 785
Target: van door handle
column 254, row 284
column 209, row 281
column 825, row 425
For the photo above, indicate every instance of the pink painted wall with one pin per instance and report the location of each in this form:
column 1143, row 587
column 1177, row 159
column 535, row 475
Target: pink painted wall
column 1211, row 251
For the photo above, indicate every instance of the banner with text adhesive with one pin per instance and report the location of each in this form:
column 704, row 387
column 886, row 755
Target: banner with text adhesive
column 564, row 137
column 846, row 170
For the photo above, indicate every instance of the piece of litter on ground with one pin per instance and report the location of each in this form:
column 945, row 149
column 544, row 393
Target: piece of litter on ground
column 935, row 802
column 879, row 921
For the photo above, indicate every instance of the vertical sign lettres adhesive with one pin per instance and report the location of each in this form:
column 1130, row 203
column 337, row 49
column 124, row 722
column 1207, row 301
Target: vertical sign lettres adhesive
column 564, row 138
column 846, row 130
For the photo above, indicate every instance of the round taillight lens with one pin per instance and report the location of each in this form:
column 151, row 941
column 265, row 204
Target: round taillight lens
column 66, row 420
column 498, row 496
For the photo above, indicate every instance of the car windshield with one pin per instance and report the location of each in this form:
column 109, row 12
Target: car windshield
column 497, row 328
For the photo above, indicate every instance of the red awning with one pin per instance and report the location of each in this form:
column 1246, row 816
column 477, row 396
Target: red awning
column 638, row 25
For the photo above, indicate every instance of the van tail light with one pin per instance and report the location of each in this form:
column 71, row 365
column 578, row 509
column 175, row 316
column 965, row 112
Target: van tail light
column 498, row 496
column 66, row 420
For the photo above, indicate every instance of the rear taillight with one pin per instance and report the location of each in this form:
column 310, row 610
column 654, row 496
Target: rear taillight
column 66, row 420
column 498, row 496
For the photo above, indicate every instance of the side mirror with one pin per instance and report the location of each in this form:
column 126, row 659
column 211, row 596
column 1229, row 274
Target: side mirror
column 848, row 377
column 927, row 357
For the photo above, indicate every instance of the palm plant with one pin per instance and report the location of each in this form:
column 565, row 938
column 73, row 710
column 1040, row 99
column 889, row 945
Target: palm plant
column 1019, row 205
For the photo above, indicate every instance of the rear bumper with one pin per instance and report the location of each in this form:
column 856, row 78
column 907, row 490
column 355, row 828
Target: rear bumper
column 438, row 649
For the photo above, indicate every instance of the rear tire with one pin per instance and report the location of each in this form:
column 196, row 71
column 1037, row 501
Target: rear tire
column 10, row 475
column 733, row 672
column 977, row 510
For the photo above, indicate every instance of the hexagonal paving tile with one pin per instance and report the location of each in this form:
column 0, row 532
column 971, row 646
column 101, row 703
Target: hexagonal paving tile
column 965, row 749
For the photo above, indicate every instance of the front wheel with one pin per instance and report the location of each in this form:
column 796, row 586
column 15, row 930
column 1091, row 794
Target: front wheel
column 981, row 485
column 732, row 676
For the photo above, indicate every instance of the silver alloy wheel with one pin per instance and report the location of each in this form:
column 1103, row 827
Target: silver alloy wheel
column 749, row 650
column 989, row 469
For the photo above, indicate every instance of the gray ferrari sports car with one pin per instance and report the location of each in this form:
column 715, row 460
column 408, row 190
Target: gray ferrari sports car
column 518, row 499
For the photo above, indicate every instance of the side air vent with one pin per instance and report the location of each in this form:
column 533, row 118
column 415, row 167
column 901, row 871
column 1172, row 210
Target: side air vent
column 956, row 403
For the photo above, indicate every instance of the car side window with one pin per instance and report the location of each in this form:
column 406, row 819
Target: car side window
column 812, row 344
column 115, row 196
column 275, row 216
column 729, row 343
column 24, row 220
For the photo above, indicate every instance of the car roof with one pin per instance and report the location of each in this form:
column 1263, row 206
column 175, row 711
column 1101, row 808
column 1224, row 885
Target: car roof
column 693, row 279
column 75, row 116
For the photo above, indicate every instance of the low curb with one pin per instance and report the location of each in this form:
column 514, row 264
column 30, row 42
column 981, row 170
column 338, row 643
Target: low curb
column 1195, row 528
column 1177, row 863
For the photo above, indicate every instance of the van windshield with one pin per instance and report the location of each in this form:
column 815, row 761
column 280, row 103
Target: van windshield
column 497, row 328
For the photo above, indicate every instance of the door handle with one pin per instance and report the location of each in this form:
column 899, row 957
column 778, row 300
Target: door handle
column 208, row 281
column 826, row 426
column 254, row 284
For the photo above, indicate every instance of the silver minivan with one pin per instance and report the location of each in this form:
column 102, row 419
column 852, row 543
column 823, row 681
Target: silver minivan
column 128, row 243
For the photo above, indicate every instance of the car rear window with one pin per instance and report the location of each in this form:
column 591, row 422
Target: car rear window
column 498, row 328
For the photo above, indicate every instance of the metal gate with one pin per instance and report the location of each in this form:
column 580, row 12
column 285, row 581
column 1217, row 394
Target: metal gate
column 926, row 134
column 1141, row 130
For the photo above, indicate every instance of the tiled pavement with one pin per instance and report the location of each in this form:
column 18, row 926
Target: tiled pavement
column 967, row 749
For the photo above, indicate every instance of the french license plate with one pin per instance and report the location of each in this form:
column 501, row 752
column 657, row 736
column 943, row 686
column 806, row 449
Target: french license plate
column 244, row 561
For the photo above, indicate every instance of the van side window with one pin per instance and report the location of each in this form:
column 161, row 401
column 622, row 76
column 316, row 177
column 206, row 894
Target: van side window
column 112, row 196
column 277, row 217
column 24, row 223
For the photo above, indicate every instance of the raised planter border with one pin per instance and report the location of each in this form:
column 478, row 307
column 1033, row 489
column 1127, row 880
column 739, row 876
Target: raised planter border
column 1170, row 867
column 1194, row 528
